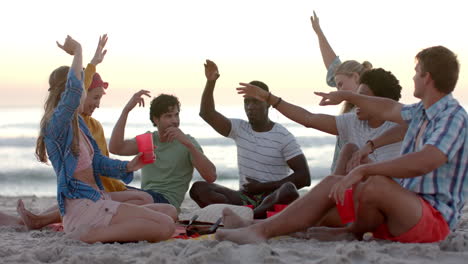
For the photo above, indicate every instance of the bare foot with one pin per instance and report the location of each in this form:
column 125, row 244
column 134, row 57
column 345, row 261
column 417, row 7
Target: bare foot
column 30, row 220
column 246, row 235
column 232, row 220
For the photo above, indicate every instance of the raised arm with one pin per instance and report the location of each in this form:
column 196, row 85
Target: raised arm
column 208, row 112
column 380, row 107
column 117, row 144
column 322, row 122
column 73, row 48
column 71, row 96
column 328, row 55
column 98, row 58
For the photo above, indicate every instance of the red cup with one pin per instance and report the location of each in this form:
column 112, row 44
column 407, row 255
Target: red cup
column 346, row 210
column 145, row 146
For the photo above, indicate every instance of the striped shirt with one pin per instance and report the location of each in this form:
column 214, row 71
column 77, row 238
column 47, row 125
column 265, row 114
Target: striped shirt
column 444, row 188
column 263, row 155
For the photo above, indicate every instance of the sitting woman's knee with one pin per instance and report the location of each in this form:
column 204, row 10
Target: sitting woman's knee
column 146, row 198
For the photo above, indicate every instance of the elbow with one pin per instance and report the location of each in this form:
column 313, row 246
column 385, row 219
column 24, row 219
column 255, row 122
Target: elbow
column 208, row 174
column 212, row 177
column 204, row 114
column 113, row 148
column 305, row 179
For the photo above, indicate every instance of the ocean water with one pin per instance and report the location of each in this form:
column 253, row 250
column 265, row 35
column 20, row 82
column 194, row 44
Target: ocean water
column 22, row 174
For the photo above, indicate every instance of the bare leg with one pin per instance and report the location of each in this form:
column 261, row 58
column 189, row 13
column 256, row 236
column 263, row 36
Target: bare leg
column 132, row 223
column 381, row 200
column 166, row 209
column 132, row 197
column 204, row 194
column 10, row 220
column 285, row 194
column 306, row 212
column 33, row 221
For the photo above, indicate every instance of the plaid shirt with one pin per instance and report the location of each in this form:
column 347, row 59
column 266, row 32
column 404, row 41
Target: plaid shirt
column 58, row 136
column 444, row 188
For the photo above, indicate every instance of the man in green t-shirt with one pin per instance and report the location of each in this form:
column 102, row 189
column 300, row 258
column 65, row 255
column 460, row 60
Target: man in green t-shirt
column 167, row 179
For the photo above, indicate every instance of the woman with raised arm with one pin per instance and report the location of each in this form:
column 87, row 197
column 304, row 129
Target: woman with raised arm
column 88, row 213
column 344, row 76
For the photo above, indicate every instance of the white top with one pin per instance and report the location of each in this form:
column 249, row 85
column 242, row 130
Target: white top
column 353, row 130
column 262, row 155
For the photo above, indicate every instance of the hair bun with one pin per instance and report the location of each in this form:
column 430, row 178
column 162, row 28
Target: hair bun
column 367, row 65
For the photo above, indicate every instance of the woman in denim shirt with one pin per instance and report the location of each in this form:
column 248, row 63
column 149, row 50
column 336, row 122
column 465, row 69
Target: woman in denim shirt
column 88, row 212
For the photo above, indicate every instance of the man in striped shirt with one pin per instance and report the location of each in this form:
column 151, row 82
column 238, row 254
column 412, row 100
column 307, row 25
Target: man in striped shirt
column 433, row 168
column 266, row 154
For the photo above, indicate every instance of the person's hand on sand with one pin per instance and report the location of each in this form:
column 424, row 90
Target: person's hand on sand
column 70, row 46
column 100, row 51
column 211, row 71
column 315, row 23
column 136, row 163
column 253, row 186
column 337, row 192
column 174, row 133
column 332, row 98
column 249, row 90
column 137, row 98
column 359, row 157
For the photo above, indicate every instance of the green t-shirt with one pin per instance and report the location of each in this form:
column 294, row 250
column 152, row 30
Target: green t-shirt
column 171, row 173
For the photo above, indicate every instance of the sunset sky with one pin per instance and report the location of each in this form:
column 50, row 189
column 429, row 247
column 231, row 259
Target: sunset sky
column 161, row 45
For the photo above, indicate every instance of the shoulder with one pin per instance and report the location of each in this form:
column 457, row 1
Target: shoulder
column 238, row 122
column 280, row 131
column 409, row 111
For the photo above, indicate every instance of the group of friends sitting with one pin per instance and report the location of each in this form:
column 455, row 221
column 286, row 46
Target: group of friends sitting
column 406, row 164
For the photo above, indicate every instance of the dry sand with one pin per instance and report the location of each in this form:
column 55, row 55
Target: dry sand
column 19, row 246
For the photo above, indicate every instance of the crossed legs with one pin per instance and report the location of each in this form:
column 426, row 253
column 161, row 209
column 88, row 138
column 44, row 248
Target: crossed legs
column 204, row 194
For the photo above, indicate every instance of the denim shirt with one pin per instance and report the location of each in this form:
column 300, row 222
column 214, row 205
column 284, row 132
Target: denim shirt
column 58, row 136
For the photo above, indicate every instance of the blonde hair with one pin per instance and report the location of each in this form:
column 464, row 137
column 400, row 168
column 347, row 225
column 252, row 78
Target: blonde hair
column 348, row 68
column 57, row 82
column 351, row 66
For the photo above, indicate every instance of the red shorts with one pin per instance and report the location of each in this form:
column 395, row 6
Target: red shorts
column 432, row 227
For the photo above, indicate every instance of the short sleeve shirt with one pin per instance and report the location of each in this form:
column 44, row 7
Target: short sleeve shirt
column 263, row 156
column 446, row 187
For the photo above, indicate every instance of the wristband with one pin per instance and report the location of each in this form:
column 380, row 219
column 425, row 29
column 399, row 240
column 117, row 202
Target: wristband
column 277, row 102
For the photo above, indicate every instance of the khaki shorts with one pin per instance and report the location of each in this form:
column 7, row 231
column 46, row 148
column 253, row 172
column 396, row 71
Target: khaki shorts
column 85, row 212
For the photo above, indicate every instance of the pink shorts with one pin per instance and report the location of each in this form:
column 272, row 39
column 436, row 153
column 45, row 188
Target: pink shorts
column 432, row 227
column 85, row 212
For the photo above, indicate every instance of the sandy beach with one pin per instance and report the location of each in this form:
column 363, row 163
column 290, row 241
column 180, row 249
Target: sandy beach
column 20, row 246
